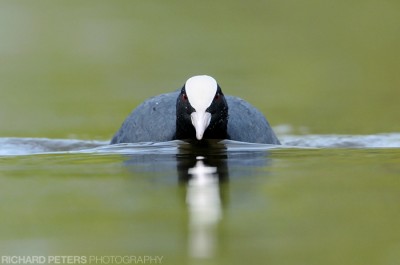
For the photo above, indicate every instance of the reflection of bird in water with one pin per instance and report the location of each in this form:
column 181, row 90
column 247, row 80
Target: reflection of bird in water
column 204, row 206
column 213, row 154
column 203, row 168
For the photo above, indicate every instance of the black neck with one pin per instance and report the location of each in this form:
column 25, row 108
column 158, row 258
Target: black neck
column 184, row 129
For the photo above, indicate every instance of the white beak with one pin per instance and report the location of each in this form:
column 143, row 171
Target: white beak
column 200, row 121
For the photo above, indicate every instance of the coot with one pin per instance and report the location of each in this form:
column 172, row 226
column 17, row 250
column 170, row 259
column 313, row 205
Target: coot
column 197, row 111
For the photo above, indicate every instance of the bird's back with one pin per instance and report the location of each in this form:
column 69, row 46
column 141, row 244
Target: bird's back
column 247, row 124
column 155, row 121
column 152, row 121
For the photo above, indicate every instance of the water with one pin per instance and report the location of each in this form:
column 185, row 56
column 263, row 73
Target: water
column 317, row 199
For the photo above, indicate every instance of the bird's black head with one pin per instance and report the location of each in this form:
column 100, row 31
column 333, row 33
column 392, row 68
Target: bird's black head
column 201, row 110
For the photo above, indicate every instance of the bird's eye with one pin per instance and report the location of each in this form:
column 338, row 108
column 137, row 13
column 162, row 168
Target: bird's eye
column 184, row 96
column 216, row 96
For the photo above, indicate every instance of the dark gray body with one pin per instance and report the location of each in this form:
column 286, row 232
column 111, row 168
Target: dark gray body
column 155, row 121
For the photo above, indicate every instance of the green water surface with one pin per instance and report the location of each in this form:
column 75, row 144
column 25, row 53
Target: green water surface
column 331, row 206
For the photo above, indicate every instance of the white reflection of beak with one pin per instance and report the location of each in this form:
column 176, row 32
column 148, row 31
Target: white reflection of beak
column 200, row 121
column 205, row 210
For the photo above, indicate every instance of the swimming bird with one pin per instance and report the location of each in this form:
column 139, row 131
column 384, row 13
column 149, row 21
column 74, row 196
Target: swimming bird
column 196, row 112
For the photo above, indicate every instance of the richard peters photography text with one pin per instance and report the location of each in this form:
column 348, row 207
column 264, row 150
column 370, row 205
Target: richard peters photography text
column 81, row 259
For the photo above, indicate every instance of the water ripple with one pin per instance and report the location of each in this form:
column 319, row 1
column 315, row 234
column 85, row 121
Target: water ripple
column 29, row 146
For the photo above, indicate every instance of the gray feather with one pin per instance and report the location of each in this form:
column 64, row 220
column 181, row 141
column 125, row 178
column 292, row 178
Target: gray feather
column 155, row 121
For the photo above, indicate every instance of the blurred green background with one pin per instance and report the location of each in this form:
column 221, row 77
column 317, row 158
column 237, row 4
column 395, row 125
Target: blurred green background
column 75, row 69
